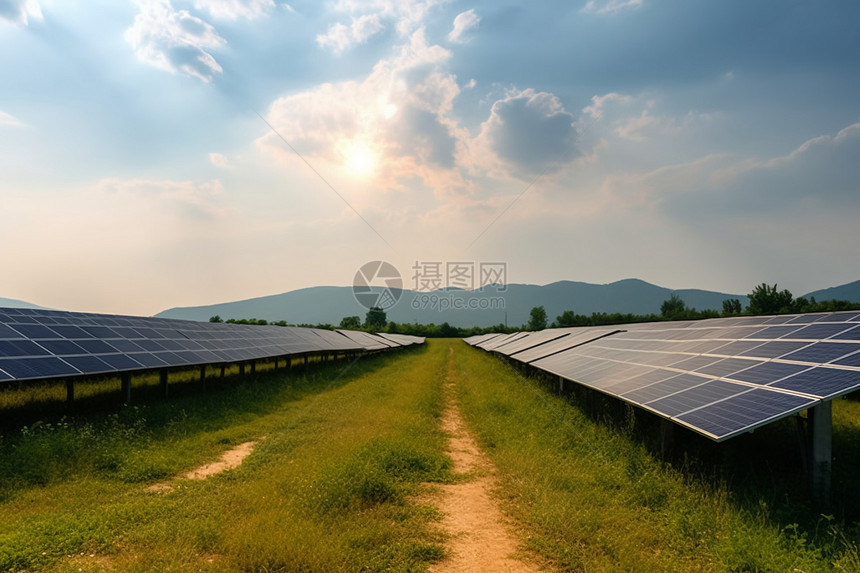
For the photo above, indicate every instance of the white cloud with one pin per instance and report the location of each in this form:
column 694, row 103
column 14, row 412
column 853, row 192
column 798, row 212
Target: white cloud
column 174, row 41
column 365, row 27
column 638, row 131
column 220, row 160
column 639, row 127
column 396, row 122
column 596, row 108
column 527, row 133
column 186, row 199
column 464, row 22
column 369, row 17
column 610, row 6
column 399, row 123
column 10, row 121
column 340, row 38
column 235, row 9
column 820, row 174
column 20, row 11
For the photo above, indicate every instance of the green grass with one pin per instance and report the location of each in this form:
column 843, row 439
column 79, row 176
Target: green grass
column 332, row 484
column 591, row 497
column 327, row 489
column 22, row 403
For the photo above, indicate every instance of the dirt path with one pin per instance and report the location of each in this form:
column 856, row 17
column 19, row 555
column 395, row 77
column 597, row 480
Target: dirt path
column 229, row 460
column 232, row 458
column 480, row 540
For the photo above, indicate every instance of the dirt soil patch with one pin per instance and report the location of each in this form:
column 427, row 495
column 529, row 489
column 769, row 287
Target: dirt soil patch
column 230, row 459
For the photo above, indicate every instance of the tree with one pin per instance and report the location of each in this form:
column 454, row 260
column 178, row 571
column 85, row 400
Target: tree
column 731, row 306
column 448, row 331
column 375, row 319
column 566, row 319
column 537, row 318
column 215, row 318
column 673, row 307
column 766, row 299
column 350, row 322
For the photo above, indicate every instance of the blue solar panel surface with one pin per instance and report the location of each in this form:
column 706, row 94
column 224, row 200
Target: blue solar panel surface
column 719, row 377
column 38, row 344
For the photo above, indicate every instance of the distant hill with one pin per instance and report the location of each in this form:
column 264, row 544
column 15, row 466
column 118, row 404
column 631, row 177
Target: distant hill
column 14, row 303
column 493, row 306
column 849, row 292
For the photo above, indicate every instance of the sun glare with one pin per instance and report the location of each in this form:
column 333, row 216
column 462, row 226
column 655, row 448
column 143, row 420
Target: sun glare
column 360, row 159
column 389, row 111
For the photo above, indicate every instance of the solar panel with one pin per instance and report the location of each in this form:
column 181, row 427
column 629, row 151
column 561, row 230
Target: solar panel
column 768, row 372
column 659, row 390
column 823, row 352
column 44, row 367
column 718, row 377
column 402, row 339
column 574, row 338
column 37, row 344
column 694, row 398
column 532, row 340
column 741, row 413
column 853, row 360
column 369, row 341
column 823, row 382
column 479, row 338
column 774, row 349
column 502, row 340
column 819, row 331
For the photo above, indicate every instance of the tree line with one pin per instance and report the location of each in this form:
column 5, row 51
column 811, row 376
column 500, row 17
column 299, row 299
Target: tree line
column 764, row 299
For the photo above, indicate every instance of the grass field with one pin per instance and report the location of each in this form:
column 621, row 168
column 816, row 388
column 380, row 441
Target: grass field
column 326, row 490
column 342, row 451
column 591, row 496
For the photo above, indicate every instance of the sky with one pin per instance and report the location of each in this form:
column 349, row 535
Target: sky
column 161, row 153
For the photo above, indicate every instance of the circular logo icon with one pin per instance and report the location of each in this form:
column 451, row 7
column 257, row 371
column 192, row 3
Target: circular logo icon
column 377, row 284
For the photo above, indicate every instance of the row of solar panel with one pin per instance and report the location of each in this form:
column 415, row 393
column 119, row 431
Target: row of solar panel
column 719, row 377
column 37, row 344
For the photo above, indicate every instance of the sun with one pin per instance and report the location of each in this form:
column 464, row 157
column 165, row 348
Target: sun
column 360, row 159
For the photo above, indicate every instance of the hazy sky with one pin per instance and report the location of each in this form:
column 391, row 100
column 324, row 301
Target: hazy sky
column 711, row 144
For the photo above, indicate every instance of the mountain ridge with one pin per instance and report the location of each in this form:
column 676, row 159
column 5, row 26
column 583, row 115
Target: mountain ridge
column 15, row 303
column 510, row 304
column 329, row 304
